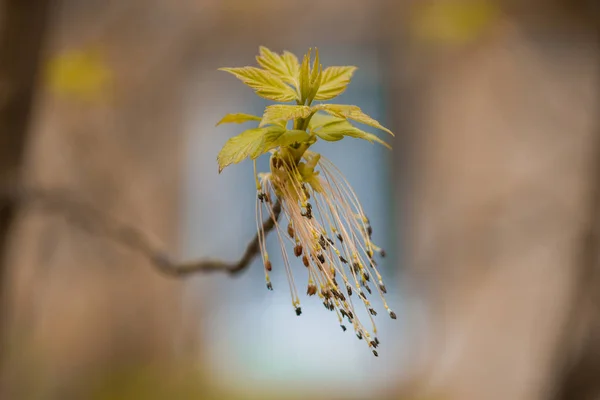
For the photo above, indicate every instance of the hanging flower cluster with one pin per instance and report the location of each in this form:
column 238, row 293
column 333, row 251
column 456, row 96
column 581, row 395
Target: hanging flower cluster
column 324, row 226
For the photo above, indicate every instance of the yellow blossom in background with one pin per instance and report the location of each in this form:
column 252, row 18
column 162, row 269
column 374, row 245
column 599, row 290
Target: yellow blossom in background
column 81, row 74
column 452, row 22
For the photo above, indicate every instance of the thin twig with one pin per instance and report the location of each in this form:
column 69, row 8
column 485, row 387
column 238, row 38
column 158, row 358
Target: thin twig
column 89, row 218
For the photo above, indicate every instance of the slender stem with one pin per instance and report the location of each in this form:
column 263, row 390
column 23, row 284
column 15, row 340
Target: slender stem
column 87, row 217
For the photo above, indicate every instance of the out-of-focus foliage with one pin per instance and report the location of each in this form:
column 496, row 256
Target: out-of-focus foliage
column 453, row 22
column 81, row 74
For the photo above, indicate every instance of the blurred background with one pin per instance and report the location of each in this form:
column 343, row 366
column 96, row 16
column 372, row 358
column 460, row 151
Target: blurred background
column 488, row 206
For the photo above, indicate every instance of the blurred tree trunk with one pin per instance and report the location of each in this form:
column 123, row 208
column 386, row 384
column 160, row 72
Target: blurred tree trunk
column 505, row 141
column 89, row 316
column 22, row 29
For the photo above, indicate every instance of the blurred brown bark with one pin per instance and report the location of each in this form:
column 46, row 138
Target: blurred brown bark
column 505, row 143
column 22, row 31
column 86, row 314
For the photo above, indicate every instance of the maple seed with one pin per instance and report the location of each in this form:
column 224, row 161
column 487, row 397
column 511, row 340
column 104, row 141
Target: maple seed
column 392, row 315
column 375, row 353
column 382, row 288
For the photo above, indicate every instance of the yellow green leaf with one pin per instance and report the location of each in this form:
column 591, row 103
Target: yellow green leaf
column 334, row 82
column 305, row 77
column 264, row 83
column 281, row 66
column 316, row 76
column 351, row 112
column 284, row 112
column 329, row 135
column 320, row 119
column 240, row 147
column 291, row 61
column 315, row 70
column 238, row 118
column 336, row 130
column 355, row 132
column 287, row 138
column 253, row 143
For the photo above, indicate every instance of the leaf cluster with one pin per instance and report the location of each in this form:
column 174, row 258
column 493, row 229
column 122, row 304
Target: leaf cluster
column 282, row 78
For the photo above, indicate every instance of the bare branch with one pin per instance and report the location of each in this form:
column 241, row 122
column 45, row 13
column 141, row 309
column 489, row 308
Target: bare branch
column 89, row 218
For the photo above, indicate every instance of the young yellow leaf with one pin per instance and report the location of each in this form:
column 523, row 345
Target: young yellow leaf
column 272, row 62
column 316, row 75
column 305, row 77
column 287, row 138
column 283, row 112
column 334, row 82
column 338, row 129
column 351, row 112
column 314, row 85
column 291, row 61
column 329, row 135
column 315, row 67
column 352, row 131
column 319, row 119
column 236, row 149
column 264, row 83
column 286, row 69
column 238, row 118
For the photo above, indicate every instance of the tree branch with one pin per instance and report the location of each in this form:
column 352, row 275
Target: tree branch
column 89, row 218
